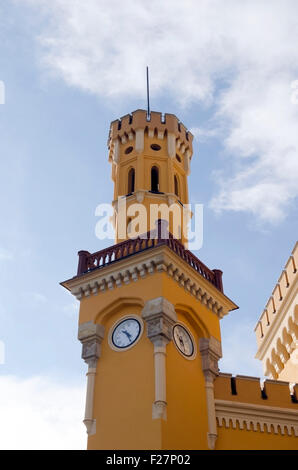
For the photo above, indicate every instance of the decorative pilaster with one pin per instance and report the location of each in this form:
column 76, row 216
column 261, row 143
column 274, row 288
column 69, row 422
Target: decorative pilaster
column 211, row 353
column 91, row 336
column 171, row 144
column 116, row 155
column 187, row 158
column 139, row 140
column 160, row 316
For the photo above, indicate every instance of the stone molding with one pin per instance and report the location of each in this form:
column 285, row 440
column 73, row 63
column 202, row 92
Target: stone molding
column 160, row 317
column 143, row 264
column 283, row 421
column 91, row 336
column 140, row 194
column 173, row 145
column 210, row 349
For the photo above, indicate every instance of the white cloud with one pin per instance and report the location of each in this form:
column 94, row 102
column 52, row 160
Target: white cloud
column 5, row 254
column 263, row 135
column 36, row 297
column 204, row 133
column 72, row 309
column 2, row 352
column 239, row 58
column 37, row 413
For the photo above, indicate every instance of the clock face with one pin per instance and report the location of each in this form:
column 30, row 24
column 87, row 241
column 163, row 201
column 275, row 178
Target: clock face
column 183, row 341
column 126, row 333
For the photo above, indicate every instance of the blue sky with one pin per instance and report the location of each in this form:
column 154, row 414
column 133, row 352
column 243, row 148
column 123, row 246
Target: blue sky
column 71, row 67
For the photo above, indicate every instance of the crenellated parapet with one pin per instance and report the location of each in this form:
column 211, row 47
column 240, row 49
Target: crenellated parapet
column 245, row 403
column 277, row 328
column 246, row 389
column 132, row 128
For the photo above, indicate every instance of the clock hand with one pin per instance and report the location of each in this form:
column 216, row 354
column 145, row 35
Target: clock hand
column 181, row 342
column 127, row 334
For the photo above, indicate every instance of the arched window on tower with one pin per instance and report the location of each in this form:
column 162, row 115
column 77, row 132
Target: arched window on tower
column 131, row 180
column 176, row 186
column 154, row 179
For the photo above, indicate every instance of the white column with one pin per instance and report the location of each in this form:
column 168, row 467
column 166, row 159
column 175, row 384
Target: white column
column 89, row 422
column 186, row 162
column 171, row 145
column 139, row 140
column 116, row 154
column 91, row 336
column 160, row 316
column 210, row 353
column 160, row 403
column 212, row 428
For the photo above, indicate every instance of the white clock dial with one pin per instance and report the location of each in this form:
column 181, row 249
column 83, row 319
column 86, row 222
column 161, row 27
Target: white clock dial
column 183, row 340
column 126, row 333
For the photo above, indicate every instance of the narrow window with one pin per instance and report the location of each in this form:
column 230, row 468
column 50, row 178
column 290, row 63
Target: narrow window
column 176, row 186
column 154, row 180
column 131, row 180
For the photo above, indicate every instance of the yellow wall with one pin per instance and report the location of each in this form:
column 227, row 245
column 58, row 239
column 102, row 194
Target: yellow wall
column 142, row 164
column 124, row 384
column 290, row 371
column 124, row 389
column 124, row 392
column 249, row 392
column 186, row 426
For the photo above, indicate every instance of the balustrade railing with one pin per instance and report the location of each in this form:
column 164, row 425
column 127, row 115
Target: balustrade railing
column 88, row 262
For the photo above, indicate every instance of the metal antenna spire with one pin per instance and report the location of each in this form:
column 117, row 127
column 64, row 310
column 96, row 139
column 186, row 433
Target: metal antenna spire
column 148, row 102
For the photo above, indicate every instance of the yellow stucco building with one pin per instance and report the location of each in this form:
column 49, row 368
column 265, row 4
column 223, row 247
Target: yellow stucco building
column 150, row 316
column 277, row 328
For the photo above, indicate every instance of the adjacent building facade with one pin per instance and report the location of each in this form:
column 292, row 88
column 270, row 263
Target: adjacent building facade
column 150, row 314
column 277, row 328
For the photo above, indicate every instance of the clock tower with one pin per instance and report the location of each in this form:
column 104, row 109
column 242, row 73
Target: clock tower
column 150, row 310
